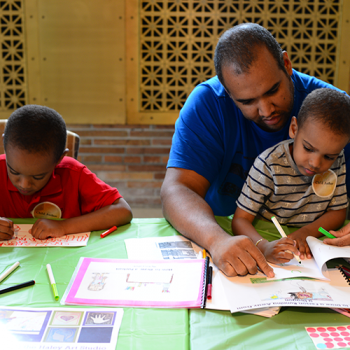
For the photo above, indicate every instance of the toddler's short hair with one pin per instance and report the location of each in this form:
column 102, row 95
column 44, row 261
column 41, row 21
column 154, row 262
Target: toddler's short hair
column 36, row 129
column 330, row 107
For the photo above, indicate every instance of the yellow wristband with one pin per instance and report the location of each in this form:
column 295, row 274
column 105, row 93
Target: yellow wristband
column 261, row 239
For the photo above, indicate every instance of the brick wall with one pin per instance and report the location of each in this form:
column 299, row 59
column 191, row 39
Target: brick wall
column 132, row 158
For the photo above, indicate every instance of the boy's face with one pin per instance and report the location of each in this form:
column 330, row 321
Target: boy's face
column 28, row 172
column 315, row 147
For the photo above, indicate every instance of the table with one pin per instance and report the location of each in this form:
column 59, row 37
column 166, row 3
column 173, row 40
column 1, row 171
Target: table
column 161, row 328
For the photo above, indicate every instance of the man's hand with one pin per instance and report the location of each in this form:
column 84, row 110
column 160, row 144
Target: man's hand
column 6, row 229
column 299, row 237
column 343, row 237
column 45, row 228
column 280, row 251
column 239, row 256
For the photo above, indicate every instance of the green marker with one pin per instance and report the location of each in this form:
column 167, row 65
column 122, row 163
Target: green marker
column 52, row 281
column 326, row 233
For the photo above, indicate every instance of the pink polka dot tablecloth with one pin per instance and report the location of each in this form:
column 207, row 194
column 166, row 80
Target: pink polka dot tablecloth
column 333, row 337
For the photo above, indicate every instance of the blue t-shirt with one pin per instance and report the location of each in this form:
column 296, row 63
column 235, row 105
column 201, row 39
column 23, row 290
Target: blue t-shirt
column 214, row 139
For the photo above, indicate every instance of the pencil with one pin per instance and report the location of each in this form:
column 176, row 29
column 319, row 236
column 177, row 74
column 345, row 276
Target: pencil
column 283, row 234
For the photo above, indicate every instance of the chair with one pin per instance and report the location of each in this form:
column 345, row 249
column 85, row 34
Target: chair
column 73, row 141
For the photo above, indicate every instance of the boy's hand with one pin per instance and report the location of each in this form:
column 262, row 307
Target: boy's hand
column 280, row 251
column 45, row 228
column 299, row 237
column 6, row 229
column 343, row 237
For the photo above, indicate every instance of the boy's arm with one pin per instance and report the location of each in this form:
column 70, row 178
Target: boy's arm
column 331, row 220
column 116, row 214
column 276, row 252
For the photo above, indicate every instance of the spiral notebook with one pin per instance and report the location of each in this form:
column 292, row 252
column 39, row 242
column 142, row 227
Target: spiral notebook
column 138, row 283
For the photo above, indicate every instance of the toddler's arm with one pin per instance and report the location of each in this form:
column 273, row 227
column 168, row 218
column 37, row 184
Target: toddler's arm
column 277, row 252
column 116, row 214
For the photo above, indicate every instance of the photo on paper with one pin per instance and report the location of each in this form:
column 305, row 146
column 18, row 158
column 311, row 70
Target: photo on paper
column 99, row 318
column 177, row 250
column 61, row 335
column 66, row 318
column 95, row 335
column 25, row 325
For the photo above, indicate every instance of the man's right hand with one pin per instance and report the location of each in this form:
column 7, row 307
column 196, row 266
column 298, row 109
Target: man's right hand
column 239, row 256
column 6, row 229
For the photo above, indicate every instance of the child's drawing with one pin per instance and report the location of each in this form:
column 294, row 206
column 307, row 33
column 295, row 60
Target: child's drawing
column 66, row 318
column 61, row 335
column 99, row 318
column 23, row 238
column 98, row 281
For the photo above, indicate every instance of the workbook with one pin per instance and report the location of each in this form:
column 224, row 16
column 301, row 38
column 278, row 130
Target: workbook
column 23, row 238
column 138, row 283
column 59, row 328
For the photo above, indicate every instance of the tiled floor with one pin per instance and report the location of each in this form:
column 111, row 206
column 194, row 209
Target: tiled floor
column 147, row 212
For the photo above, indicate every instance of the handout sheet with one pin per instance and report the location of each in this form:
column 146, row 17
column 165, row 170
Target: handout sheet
column 24, row 239
column 59, row 328
column 137, row 283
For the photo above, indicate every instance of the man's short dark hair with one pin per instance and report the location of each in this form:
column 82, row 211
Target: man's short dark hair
column 328, row 106
column 238, row 46
column 36, row 129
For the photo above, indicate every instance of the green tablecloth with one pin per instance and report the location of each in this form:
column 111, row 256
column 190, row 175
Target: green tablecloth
column 161, row 328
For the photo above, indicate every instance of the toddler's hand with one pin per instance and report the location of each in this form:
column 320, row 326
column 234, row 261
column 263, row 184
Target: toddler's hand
column 6, row 229
column 299, row 237
column 45, row 228
column 280, row 251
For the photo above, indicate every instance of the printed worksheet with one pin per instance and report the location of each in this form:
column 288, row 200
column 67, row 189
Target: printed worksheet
column 23, row 238
column 59, row 328
column 137, row 283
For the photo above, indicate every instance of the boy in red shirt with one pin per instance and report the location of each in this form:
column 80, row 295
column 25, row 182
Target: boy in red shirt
column 34, row 170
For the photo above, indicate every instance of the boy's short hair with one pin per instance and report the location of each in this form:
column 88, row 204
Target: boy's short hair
column 36, row 129
column 330, row 107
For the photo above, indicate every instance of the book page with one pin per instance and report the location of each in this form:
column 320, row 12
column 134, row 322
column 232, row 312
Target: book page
column 121, row 282
column 324, row 252
column 250, row 292
column 24, row 239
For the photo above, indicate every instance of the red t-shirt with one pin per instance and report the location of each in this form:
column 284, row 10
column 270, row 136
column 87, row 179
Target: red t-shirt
column 72, row 187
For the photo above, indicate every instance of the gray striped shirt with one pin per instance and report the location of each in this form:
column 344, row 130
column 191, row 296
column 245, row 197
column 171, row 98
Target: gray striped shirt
column 275, row 187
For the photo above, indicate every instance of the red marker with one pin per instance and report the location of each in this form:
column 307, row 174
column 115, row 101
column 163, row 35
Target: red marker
column 112, row 229
column 210, row 277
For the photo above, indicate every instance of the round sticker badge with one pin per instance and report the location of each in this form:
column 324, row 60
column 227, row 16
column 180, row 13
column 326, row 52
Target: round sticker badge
column 324, row 184
column 46, row 210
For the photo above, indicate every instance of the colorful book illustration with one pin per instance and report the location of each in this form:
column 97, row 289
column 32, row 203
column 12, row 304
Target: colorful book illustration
column 59, row 328
column 23, row 238
column 137, row 283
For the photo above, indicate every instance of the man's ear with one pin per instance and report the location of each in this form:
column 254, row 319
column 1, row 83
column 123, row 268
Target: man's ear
column 63, row 155
column 293, row 128
column 287, row 63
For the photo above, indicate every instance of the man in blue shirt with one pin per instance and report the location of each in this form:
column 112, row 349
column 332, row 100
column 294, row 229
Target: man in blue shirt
column 224, row 125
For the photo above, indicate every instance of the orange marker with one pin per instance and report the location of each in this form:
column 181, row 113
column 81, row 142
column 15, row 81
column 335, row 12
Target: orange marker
column 104, row 234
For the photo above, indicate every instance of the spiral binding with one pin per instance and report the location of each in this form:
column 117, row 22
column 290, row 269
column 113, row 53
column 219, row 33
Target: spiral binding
column 205, row 279
column 347, row 278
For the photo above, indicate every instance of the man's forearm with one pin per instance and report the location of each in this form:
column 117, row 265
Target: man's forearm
column 190, row 215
